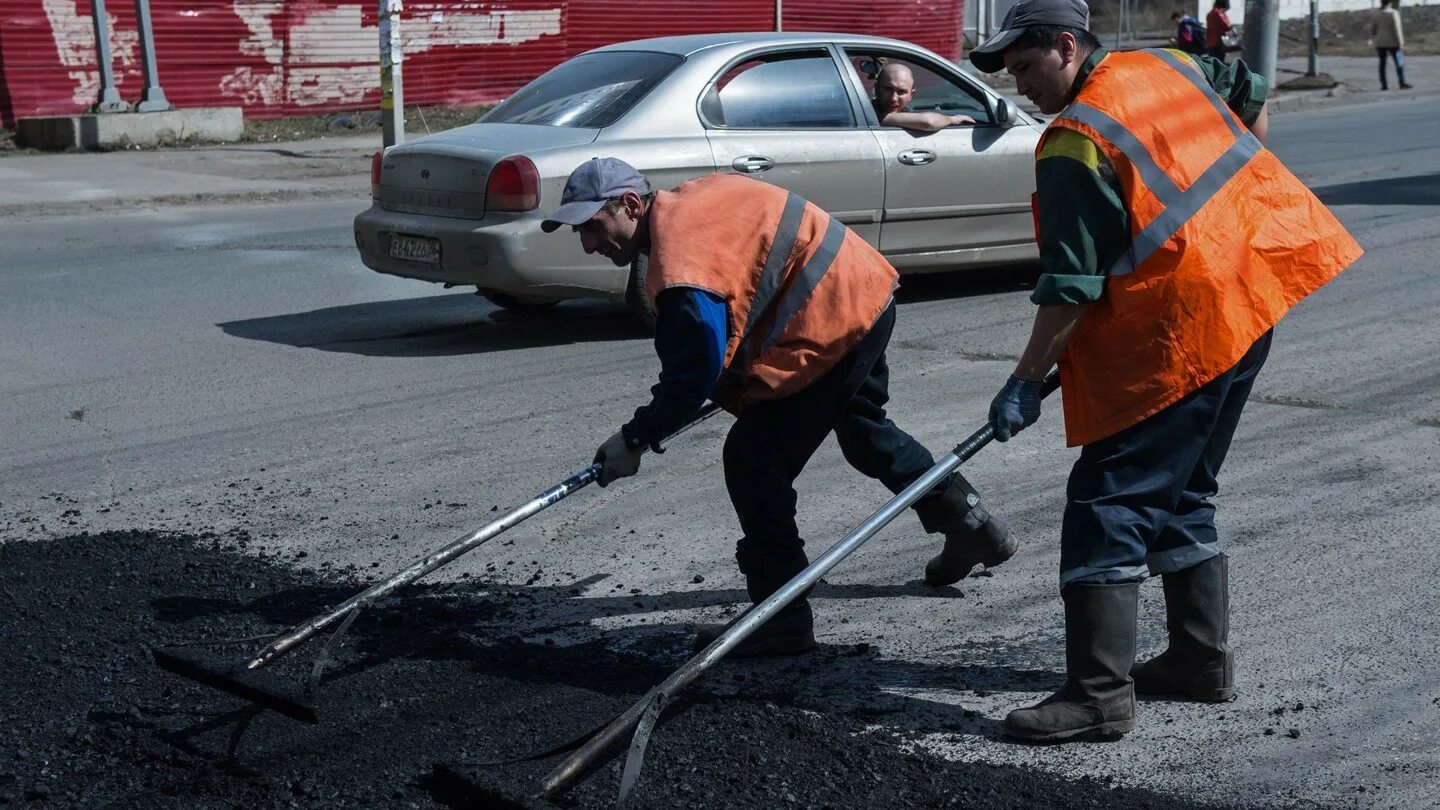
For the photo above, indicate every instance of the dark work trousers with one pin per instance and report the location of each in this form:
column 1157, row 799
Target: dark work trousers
column 1217, row 51
column 1398, row 56
column 1140, row 499
column 771, row 442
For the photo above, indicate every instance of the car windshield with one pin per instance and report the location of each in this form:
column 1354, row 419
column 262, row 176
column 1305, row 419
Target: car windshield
column 590, row 91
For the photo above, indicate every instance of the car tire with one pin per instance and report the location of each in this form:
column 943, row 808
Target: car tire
column 514, row 304
column 635, row 297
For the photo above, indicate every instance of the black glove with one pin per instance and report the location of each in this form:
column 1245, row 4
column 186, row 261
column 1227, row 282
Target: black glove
column 1015, row 408
column 618, row 459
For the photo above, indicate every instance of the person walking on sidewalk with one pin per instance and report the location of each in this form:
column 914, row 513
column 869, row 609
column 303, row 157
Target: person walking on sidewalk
column 1389, row 38
column 1173, row 242
column 1217, row 27
column 772, row 308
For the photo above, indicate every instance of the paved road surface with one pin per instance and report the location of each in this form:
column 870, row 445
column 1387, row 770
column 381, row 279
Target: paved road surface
column 215, row 368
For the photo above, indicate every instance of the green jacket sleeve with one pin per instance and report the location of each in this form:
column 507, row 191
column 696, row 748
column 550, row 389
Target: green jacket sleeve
column 1243, row 90
column 1082, row 224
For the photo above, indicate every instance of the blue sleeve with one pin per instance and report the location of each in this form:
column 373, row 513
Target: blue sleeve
column 691, row 333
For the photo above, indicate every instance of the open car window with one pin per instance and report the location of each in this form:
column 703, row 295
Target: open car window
column 934, row 91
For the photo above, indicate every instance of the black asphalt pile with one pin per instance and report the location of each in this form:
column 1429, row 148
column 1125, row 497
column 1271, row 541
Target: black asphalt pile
column 423, row 688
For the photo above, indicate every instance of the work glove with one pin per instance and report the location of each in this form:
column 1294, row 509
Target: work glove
column 617, row 459
column 1015, row 408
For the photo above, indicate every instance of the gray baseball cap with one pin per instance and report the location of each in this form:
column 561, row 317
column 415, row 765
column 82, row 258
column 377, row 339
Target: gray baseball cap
column 1069, row 13
column 595, row 181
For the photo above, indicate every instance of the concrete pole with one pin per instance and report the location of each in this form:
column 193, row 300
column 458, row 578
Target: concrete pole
column 1262, row 37
column 1119, row 23
column 392, row 96
column 1313, row 68
column 153, row 98
column 779, row 15
column 109, row 101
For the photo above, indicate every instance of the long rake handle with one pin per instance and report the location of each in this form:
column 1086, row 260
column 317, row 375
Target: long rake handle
column 306, row 630
column 564, row 776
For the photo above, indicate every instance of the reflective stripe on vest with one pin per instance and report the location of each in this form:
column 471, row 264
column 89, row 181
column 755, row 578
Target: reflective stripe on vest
column 1179, row 206
column 801, row 290
column 807, row 279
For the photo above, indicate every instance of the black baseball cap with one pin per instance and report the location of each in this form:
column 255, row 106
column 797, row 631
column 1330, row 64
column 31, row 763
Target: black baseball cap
column 1068, row 13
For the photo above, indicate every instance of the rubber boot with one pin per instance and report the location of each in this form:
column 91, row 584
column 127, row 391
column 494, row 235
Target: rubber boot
column 789, row 632
column 973, row 536
column 1098, row 699
column 1198, row 664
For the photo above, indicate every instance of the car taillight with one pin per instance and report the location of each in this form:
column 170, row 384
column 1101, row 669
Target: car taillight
column 514, row 185
column 375, row 163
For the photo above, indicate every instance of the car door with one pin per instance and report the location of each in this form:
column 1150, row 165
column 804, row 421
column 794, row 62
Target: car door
column 788, row 117
column 959, row 195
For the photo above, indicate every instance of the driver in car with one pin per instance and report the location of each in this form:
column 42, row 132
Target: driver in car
column 780, row 313
column 894, row 89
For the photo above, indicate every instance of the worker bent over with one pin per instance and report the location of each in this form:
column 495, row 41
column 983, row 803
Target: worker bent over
column 772, row 308
column 1173, row 242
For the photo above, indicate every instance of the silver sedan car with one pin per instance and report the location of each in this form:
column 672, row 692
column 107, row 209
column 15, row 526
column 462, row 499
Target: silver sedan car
column 463, row 207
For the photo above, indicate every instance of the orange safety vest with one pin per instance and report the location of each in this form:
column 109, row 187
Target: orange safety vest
column 801, row 288
column 1224, row 241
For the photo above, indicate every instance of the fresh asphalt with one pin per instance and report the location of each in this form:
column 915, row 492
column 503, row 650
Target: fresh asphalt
column 222, row 368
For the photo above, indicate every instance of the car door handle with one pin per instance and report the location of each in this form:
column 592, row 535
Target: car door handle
column 751, row 164
column 916, row 157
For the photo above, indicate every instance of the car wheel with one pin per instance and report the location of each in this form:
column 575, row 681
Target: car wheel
column 515, row 304
column 635, row 297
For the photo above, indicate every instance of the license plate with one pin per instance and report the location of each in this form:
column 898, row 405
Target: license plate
column 414, row 248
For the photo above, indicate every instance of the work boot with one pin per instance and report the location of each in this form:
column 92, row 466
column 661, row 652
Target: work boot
column 1198, row 664
column 1098, row 699
column 973, row 536
column 791, row 631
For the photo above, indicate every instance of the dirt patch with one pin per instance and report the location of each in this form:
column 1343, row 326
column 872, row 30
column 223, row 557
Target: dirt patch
column 439, row 676
column 1347, row 33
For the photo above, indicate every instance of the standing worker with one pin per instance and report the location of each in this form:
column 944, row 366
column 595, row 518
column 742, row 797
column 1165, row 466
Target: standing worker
column 1389, row 38
column 1217, row 26
column 772, row 308
column 1173, row 242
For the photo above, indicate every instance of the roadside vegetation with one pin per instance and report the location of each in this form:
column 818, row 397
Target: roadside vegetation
column 418, row 121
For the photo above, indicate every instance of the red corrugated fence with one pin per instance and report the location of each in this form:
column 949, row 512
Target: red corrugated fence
column 285, row 57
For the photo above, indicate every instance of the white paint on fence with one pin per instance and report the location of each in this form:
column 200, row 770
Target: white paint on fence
column 74, row 36
column 332, row 55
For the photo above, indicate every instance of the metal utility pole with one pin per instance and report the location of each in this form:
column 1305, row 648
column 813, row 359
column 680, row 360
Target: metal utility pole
column 1119, row 23
column 109, row 101
column 392, row 96
column 779, row 15
column 1262, row 37
column 153, row 98
column 1313, row 68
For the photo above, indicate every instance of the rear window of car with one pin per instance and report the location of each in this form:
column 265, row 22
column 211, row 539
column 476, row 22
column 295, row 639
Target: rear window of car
column 590, row 91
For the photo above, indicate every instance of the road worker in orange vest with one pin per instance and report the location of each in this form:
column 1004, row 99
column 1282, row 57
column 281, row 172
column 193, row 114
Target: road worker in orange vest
column 773, row 308
column 1172, row 244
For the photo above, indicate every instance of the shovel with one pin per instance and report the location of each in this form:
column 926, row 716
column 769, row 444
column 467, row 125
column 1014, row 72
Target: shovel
column 244, row 679
column 643, row 715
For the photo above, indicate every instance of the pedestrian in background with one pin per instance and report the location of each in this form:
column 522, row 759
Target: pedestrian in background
column 1189, row 33
column 1389, row 39
column 1217, row 25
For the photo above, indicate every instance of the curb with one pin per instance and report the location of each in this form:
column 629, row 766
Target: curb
column 44, row 211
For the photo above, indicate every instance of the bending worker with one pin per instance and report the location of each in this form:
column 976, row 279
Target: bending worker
column 772, row 308
column 1173, row 242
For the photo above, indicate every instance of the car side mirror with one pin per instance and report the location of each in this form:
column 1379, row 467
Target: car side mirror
column 1006, row 113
